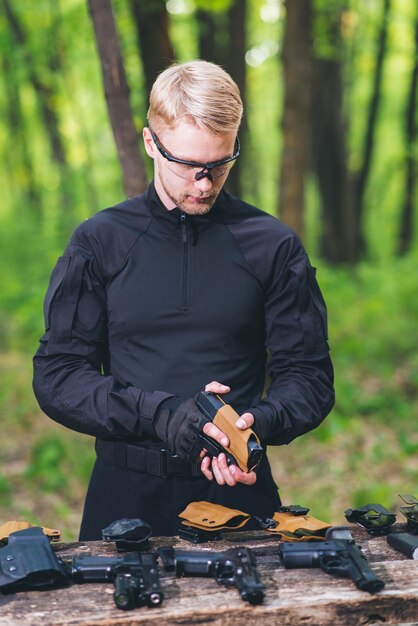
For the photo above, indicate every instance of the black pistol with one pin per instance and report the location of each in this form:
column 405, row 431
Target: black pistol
column 235, row 567
column 338, row 555
column 134, row 576
column 244, row 448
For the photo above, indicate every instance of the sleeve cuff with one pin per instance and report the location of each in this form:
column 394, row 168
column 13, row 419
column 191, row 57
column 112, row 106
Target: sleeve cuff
column 264, row 423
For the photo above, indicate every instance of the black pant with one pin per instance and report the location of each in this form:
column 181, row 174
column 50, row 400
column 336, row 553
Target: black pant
column 115, row 493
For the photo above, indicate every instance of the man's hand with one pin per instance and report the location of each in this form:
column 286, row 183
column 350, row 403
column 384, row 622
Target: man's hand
column 217, row 467
column 178, row 425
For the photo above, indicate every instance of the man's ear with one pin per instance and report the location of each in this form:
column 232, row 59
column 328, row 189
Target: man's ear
column 148, row 142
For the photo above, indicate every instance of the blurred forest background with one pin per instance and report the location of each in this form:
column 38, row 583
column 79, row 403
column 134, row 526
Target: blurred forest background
column 329, row 144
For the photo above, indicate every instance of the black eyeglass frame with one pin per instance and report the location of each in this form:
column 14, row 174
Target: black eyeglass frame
column 205, row 166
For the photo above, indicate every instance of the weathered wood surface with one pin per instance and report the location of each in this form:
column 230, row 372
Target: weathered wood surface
column 293, row 597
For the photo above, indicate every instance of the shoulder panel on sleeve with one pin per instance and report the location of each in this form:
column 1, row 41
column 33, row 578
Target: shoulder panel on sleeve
column 267, row 244
column 110, row 234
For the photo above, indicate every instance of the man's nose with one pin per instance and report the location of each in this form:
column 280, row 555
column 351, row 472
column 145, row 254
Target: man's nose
column 204, row 184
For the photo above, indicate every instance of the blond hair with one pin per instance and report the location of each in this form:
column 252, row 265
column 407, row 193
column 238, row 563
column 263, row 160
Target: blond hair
column 199, row 90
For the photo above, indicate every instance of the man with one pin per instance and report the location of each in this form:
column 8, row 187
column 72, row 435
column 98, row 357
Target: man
column 182, row 288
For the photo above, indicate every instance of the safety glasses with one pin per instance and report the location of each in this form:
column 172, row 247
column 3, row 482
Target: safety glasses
column 192, row 170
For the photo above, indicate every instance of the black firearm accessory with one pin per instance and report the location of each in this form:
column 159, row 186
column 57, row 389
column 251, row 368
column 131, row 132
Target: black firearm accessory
column 199, row 535
column 410, row 512
column 128, row 534
column 374, row 518
column 134, row 576
column 338, row 555
column 244, row 448
column 29, row 563
column 235, row 567
column 405, row 543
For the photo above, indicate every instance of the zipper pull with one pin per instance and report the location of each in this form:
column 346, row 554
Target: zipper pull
column 183, row 219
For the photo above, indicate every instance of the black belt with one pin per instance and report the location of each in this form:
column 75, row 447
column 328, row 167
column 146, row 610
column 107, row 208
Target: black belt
column 153, row 461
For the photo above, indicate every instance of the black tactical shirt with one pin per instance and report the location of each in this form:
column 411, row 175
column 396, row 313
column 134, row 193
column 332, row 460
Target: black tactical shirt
column 148, row 303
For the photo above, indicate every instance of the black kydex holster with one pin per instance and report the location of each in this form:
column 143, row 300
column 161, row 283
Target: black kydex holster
column 28, row 562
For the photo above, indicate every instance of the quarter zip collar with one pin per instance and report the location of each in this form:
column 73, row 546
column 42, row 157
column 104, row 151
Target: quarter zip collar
column 158, row 209
column 174, row 216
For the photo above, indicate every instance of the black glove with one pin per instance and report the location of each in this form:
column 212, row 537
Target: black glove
column 178, row 423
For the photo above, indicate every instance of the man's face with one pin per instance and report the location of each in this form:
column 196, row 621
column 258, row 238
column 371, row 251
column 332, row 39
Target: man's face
column 187, row 141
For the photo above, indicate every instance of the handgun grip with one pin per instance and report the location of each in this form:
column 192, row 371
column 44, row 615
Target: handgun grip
column 405, row 543
column 350, row 563
column 244, row 448
column 246, row 576
column 213, row 448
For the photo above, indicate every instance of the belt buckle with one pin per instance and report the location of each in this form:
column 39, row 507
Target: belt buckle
column 163, row 457
column 173, row 465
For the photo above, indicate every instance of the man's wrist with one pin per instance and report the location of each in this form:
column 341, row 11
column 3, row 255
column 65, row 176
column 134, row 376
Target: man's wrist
column 178, row 423
column 172, row 403
column 264, row 421
column 166, row 409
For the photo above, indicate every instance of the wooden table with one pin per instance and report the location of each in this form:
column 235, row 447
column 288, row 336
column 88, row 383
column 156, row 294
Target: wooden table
column 293, row 597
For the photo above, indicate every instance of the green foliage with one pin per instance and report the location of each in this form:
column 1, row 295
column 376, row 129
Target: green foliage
column 16, row 397
column 5, row 491
column 56, row 461
column 327, row 24
column 216, row 6
column 372, row 313
column 47, row 464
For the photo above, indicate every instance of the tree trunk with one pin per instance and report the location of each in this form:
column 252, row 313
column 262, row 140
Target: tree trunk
column 222, row 40
column 361, row 178
column 297, row 68
column 330, row 160
column 45, row 92
column 407, row 217
column 339, row 241
column 209, row 26
column 152, row 26
column 117, row 97
column 21, row 171
column 234, row 63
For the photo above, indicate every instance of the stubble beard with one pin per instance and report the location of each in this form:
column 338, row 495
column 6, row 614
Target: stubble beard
column 192, row 208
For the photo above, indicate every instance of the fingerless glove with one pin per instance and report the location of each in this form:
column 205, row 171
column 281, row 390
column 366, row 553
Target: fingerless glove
column 178, row 424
